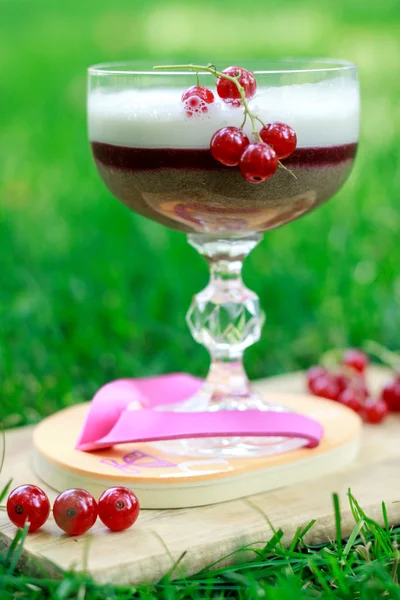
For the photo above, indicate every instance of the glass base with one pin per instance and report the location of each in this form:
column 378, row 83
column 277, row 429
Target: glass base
column 229, row 447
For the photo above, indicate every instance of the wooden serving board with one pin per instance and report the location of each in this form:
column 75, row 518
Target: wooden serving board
column 208, row 533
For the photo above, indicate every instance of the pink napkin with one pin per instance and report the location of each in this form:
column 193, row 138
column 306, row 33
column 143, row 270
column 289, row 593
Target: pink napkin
column 123, row 411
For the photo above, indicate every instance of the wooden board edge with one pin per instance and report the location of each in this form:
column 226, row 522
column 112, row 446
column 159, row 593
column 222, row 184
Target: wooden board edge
column 30, row 564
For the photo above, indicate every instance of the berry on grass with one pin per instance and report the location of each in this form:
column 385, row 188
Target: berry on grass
column 118, row 508
column 228, row 144
column 75, row 511
column 229, row 92
column 280, row 137
column 28, row 503
column 258, row 162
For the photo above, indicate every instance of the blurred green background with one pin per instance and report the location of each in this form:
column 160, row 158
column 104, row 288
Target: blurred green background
column 90, row 292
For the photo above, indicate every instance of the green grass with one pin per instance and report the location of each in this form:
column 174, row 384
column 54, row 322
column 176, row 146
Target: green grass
column 89, row 292
column 366, row 566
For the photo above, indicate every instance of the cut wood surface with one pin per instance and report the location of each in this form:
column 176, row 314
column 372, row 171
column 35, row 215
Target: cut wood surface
column 208, row 533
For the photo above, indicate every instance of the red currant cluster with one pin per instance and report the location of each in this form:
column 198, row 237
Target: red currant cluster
column 258, row 160
column 346, row 384
column 75, row 511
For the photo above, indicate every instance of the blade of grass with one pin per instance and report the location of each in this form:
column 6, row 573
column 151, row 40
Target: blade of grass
column 296, row 539
column 175, row 563
column 260, row 512
column 338, row 578
column 14, row 556
column 321, row 579
column 3, row 447
column 385, row 517
column 300, row 534
column 352, row 539
column 338, row 524
column 5, row 489
column 380, row 535
column 274, row 542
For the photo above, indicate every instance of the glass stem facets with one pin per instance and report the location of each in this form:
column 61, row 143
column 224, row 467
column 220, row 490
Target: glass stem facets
column 226, row 318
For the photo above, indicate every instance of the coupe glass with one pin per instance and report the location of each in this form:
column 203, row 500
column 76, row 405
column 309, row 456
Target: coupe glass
column 156, row 159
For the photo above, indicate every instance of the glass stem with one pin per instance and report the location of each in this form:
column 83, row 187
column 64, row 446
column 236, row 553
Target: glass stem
column 225, row 317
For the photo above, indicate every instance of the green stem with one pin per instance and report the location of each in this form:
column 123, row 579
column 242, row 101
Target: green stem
column 282, row 166
column 252, row 117
column 259, row 120
column 331, row 357
column 209, row 69
column 213, row 71
column 391, row 359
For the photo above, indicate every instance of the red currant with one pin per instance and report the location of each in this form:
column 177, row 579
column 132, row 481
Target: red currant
column 356, row 359
column 228, row 144
column 28, row 503
column 391, row 395
column 313, row 373
column 75, row 511
column 201, row 92
column 228, row 91
column 351, row 399
column 342, row 380
column 281, row 137
column 361, row 389
column 375, row 411
column 325, row 386
column 258, row 162
column 118, row 508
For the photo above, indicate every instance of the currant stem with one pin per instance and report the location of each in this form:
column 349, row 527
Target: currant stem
column 282, row 166
column 259, row 120
column 331, row 357
column 247, row 112
column 391, row 359
column 211, row 69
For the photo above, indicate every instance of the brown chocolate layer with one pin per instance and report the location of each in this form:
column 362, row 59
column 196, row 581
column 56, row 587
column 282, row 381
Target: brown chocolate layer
column 189, row 191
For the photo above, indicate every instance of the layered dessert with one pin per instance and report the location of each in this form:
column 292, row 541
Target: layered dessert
column 156, row 159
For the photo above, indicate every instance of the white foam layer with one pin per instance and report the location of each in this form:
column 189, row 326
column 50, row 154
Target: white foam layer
column 322, row 114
